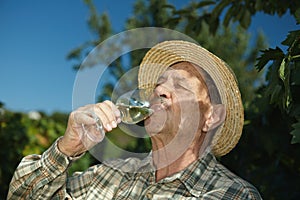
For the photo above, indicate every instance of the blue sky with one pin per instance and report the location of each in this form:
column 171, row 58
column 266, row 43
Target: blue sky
column 36, row 36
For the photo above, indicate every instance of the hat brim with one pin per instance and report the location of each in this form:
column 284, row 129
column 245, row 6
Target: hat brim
column 167, row 53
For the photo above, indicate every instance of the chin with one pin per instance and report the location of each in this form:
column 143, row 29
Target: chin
column 155, row 125
column 158, row 121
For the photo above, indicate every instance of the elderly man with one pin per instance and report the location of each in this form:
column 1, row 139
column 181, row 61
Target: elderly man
column 198, row 115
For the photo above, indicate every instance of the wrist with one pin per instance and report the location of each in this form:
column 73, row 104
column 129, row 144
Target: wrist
column 65, row 149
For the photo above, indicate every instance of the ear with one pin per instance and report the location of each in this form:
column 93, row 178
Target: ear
column 215, row 118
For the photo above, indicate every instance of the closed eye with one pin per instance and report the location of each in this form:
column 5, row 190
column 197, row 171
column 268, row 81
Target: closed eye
column 182, row 84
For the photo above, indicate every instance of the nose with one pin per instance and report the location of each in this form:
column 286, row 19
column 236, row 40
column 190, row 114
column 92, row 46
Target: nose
column 162, row 91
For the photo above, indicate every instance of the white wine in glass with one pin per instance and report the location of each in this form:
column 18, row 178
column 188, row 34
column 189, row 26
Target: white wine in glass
column 132, row 108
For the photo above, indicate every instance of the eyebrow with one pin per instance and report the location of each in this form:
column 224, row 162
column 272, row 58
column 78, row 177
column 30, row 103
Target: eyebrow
column 176, row 76
column 161, row 78
column 180, row 80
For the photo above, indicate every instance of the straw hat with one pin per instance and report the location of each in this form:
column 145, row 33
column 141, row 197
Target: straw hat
column 164, row 54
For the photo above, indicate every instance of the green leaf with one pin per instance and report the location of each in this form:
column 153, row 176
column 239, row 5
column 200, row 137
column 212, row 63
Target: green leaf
column 282, row 70
column 284, row 75
column 75, row 54
column 236, row 12
column 246, row 19
column 182, row 12
column 204, row 3
column 173, row 21
column 258, row 5
column 173, row 8
column 240, row 13
column 291, row 37
column 228, row 16
column 219, row 8
column 269, row 55
column 275, row 94
column 213, row 23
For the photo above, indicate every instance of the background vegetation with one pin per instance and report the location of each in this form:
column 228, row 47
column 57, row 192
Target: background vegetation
column 268, row 152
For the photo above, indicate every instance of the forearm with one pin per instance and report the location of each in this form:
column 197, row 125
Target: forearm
column 40, row 176
column 45, row 176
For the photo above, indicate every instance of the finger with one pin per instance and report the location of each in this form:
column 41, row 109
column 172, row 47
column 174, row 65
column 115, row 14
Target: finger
column 90, row 138
column 116, row 113
column 89, row 114
column 110, row 120
column 81, row 117
column 114, row 110
column 94, row 133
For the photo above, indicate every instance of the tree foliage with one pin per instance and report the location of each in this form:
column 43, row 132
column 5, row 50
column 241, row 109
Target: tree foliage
column 13, row 140
column 283, row 79
column 23, row 134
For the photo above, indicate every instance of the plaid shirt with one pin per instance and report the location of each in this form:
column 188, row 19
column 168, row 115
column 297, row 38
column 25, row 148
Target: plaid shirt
column 45, row 177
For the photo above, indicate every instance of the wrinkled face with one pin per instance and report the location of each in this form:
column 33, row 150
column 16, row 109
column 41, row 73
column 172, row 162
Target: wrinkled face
column 183, row 101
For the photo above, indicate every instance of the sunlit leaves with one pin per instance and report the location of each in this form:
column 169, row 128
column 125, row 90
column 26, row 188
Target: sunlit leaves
column 283, row 83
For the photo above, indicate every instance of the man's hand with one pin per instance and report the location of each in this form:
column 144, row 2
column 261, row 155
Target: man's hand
column 77, row 139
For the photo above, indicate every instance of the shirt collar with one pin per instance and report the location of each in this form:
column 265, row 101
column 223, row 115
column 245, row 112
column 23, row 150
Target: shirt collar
column 195, row 176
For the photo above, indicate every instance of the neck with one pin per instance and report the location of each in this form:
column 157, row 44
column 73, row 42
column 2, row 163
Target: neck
column 172, row 157
column 175, row 166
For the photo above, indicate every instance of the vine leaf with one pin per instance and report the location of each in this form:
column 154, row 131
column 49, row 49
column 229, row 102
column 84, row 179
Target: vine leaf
column 269, row 55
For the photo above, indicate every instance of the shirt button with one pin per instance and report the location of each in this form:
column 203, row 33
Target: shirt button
column 149, row 195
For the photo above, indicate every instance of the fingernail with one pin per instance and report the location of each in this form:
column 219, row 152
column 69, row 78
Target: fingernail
column 119, row 120
column 108, row 127
column 114, row 124
column 117, row 113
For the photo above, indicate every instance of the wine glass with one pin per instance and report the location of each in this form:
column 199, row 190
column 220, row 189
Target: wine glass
column 133, row 108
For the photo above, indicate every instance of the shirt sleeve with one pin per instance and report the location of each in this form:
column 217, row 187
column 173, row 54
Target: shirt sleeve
column 42, row 176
